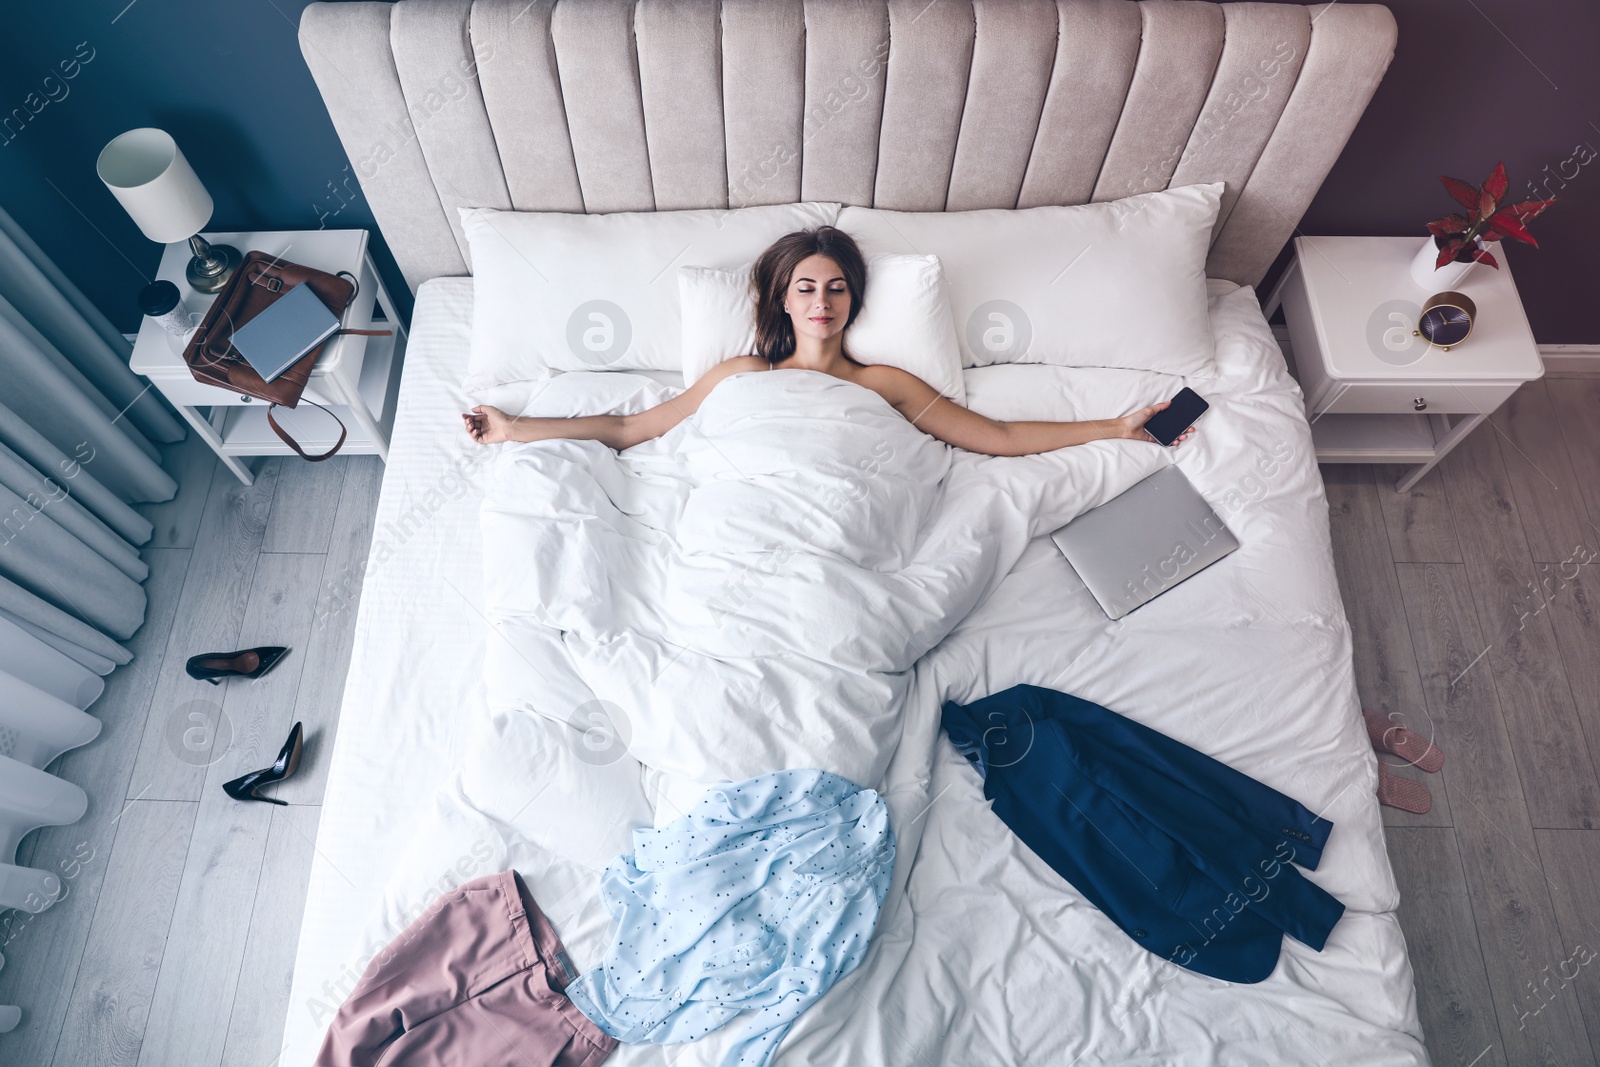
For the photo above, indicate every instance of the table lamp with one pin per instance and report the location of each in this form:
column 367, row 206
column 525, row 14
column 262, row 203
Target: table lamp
column 152, row 180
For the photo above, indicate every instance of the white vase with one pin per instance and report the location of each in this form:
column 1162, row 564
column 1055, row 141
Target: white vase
column 1440, row 279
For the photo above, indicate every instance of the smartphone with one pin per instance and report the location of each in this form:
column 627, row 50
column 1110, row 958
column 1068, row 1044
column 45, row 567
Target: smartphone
column 1168, row 424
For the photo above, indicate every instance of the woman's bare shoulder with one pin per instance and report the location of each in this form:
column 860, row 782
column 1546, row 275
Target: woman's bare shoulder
column 891, row 383
column 722, row 371
column 736, row 365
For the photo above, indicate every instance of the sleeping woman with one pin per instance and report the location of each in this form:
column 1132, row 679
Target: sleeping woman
column 810, row 285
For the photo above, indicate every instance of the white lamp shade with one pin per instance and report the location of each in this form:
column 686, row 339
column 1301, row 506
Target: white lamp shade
column 148, row 175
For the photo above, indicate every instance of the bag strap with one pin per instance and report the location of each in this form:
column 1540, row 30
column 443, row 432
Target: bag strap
column 355, row 285
column 355, row 288
column 295, row 445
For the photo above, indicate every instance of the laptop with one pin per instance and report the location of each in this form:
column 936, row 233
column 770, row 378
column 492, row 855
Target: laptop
column 1136, row 546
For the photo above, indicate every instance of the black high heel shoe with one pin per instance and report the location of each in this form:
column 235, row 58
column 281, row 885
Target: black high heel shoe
column 288, row 761
column 249, row 663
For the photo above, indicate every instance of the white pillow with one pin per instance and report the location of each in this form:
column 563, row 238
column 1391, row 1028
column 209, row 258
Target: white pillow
column 1119, row 284
column 906, row 322
column 597, row 292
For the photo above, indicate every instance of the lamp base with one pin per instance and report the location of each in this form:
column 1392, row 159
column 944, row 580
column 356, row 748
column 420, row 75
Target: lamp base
column 211, row 266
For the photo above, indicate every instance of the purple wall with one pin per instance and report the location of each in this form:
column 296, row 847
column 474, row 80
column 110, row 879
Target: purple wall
column 1474, row 82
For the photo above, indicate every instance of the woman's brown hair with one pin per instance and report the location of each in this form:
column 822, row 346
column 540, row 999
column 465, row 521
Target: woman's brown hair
column 774, row 270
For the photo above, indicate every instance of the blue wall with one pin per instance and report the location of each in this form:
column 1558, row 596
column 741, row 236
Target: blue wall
column 224, row 77
column 1472, row 84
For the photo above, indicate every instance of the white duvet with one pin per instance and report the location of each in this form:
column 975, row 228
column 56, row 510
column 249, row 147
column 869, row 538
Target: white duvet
column 751, row 591
column 796, row 577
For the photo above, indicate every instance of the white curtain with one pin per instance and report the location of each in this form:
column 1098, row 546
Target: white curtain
column 76, row 450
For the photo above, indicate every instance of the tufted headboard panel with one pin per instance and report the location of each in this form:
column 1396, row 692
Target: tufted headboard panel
column 916, row 105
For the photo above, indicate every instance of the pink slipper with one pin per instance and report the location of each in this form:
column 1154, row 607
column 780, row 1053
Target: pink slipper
column 1402, row 793
column 1389, row 736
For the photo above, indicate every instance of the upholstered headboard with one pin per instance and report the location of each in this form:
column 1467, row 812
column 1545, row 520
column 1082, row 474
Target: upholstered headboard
column 916, row 105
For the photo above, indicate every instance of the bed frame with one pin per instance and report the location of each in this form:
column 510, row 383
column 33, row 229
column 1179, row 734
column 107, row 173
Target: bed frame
column 620, row 105
column 913, row 105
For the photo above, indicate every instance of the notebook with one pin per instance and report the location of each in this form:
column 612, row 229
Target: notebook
column 284, row 331
column 1136, row 546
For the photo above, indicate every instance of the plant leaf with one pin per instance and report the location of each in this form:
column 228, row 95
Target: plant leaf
column 1466, row 195
column 1482, row 256
column 1505, row 223
column 1449, row 224
column 1486, row 204
column 1497, row 183
column 1447, row 254
column 1528, row 209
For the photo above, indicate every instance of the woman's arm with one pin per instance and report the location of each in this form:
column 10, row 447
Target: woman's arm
column 489, row 425
column 955, row 425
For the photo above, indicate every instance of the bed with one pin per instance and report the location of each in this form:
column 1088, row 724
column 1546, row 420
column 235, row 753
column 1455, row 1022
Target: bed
column 982, row 955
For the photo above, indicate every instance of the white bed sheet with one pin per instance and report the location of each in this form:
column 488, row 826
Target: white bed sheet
column 1249, row 661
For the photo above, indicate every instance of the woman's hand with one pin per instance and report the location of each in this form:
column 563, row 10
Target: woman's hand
column 488, row 425
column 1131, row 427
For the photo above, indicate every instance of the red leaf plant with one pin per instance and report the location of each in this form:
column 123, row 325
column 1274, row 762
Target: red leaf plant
column 1457, row 235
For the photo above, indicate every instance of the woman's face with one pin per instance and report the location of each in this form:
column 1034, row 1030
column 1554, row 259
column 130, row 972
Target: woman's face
column 818, row 298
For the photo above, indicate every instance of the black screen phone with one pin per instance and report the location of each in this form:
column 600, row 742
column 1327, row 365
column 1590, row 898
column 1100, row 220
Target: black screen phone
column 1166, row 425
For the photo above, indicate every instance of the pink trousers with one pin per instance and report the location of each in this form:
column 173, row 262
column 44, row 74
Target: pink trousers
column 477, row 982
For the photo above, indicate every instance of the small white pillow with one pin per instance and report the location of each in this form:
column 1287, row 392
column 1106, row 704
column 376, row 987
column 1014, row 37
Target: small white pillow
column 906, row 322
column 1119, row 284
column 559, row 291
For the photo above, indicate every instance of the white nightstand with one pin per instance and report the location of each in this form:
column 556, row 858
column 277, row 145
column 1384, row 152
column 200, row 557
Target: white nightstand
column 355, row 376
column 1375, row 393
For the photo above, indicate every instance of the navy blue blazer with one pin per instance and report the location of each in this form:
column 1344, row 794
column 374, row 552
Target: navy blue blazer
column 1191, row 858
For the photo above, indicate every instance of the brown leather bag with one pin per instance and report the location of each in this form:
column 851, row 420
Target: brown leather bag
column 259, row 280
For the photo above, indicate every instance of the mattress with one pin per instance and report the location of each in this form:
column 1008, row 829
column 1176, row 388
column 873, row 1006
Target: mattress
column 992, row 957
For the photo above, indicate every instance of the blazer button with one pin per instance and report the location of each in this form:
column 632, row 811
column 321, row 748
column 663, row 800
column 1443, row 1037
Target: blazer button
column 1141, row 933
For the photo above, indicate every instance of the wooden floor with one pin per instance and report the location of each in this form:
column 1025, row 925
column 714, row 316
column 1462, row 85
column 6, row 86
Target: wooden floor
column 176, row 939
column 1476, row 620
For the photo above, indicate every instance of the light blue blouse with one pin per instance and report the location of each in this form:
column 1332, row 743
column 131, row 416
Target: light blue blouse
column 756, row 901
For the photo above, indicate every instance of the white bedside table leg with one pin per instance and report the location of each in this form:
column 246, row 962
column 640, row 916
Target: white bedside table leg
column 351, row 398
column 384, row 302
column 1441, row 448
column 1275, row 298
column 208, row 433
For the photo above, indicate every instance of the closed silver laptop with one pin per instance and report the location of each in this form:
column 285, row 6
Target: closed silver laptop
column 1135, row 547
